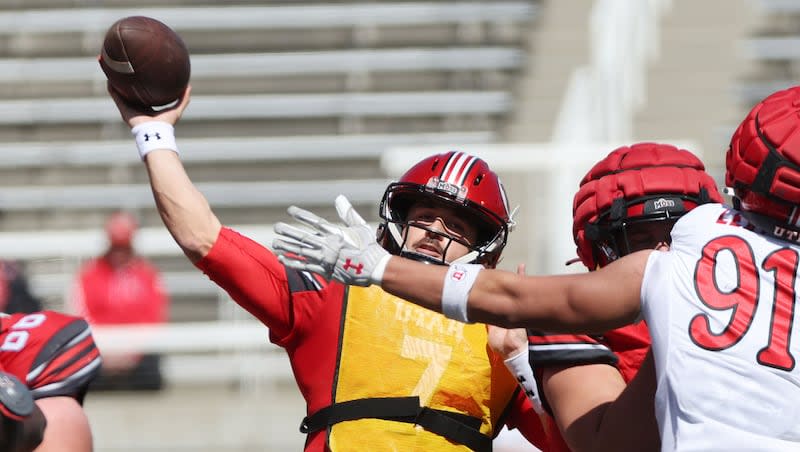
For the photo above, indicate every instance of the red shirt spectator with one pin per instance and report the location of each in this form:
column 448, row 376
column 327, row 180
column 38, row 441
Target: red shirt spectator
column 121, row 287
column 110, row 293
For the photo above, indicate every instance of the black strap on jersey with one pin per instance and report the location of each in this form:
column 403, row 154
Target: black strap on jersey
column 456, row 427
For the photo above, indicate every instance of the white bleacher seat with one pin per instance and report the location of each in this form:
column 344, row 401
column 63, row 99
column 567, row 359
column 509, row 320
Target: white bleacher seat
column 220, row 194
column 395, row 104
column 779, row 6
column 84, row 243
column 752, row 92
column 258, row 149
column 244, row 368
column 74, row 246
column 183, row 337
column 187, row 283
column 266, row 17
column 289, row 63
column 192, row 350
column 773, row 48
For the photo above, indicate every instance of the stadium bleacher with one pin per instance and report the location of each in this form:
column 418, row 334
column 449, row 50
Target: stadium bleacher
column 297, row 103
column 257, row 107
column 251, row 149
column 309, row 16
column 293, row 102
column 288, row 63
column 772, row 51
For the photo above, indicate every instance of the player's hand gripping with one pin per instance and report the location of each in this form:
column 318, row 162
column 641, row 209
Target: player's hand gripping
column 350, row 254
column 134, row 115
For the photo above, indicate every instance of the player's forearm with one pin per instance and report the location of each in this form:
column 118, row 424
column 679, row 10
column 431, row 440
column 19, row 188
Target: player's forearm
column 503, row 298
column 573, row 303
column 183, row 209
column 491, row 299
column 416, row 282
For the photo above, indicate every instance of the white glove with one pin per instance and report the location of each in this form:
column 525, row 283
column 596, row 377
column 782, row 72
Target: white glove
column 350, row 254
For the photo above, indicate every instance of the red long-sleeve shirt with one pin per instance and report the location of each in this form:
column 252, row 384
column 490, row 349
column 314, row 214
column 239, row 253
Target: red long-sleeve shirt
column 130, row 294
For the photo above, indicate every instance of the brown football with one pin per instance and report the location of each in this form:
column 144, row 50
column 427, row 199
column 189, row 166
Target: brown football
column 145, row 61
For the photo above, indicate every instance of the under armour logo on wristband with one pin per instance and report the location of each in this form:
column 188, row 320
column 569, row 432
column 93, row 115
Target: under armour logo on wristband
column 153, row 135
column 349, row 264
column 528, row 392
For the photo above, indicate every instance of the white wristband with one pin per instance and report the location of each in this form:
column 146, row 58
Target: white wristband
column 154, row 135
column 457, row 284
column 380, row 268
column 520, row 367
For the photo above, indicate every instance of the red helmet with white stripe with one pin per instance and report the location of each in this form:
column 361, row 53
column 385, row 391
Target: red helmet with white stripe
column 763, row 165
column 456, row 180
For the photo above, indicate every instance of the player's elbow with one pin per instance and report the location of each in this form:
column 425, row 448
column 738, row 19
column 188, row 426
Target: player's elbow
column 197, row 243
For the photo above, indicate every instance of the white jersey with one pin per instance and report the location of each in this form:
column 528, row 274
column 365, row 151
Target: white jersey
column 721, row 306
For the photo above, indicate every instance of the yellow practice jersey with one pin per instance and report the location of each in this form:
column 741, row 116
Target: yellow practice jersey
column 392, row 348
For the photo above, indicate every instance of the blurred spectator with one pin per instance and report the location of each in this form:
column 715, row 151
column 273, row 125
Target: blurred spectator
column 121, row 287
column 15, row 294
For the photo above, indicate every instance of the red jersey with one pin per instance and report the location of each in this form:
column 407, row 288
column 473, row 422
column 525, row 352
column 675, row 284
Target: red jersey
column 53, row 354
column 132, row 294
column 624, row 348
column 306, row 316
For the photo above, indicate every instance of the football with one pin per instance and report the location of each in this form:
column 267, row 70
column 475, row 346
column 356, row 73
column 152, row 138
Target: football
column 145, row 61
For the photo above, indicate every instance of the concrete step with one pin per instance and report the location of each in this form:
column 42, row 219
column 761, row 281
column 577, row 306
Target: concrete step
column 198, row 419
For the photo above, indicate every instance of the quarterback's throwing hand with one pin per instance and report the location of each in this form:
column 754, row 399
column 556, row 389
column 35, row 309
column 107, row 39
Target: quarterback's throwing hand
column 350, row 254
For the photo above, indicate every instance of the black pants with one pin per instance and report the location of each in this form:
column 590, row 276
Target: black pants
column 145, row 376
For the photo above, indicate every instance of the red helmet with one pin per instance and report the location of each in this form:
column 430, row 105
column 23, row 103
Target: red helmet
column 642, row 183
column 456, row 180
column 763, row 165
